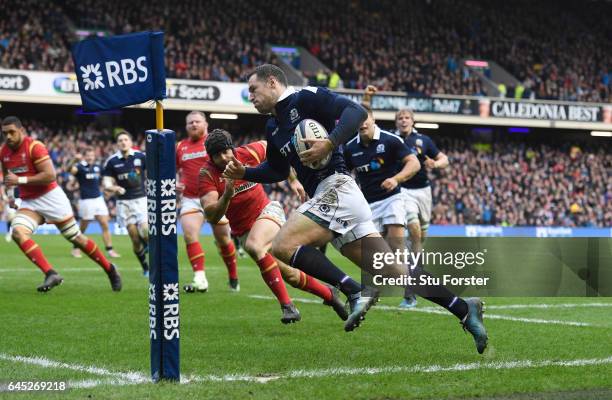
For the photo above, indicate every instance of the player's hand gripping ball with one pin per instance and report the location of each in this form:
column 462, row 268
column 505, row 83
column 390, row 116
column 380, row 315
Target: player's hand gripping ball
column 306, row 133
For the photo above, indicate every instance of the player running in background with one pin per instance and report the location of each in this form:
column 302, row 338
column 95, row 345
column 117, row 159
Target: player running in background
column 375, row 154
column 190, row 156
column 417, row 190
column 124, row 176
column 26, row 164
column 255, row 220
column 336, row 212
column 91, row 203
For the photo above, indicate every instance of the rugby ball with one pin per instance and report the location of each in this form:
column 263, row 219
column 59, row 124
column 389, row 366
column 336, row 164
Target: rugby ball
column 310, row 129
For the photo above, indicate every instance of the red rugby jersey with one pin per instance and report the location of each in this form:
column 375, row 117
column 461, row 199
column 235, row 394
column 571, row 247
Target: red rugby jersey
column 190, row 157
column 249, row 197
column 23, row 161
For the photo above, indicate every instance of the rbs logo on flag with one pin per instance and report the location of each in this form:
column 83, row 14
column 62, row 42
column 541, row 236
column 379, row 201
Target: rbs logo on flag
column 119, row 73
column 121, row 70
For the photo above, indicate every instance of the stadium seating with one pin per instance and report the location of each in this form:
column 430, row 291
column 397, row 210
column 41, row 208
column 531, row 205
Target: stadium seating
column 413, row 46
column 519, row 184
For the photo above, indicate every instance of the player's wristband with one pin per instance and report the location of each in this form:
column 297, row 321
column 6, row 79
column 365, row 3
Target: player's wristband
column 22, row 180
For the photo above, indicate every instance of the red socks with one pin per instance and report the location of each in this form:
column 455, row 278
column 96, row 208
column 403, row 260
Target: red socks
column 272, row 276
column 35, row 254
column 93, row 252
column 310, row 284
column 196, row 256
column 229, row 258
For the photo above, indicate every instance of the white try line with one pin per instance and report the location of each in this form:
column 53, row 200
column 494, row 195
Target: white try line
column 131, row 378
column 127, row 377
column 546, row 306
column 440, row 311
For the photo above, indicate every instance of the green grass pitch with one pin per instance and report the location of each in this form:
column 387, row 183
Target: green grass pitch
column 233, row 345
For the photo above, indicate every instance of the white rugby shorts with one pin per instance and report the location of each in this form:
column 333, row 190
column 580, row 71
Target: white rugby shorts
column 90, row 208
column 338, row 205
column 132, row 212
column 389, row 211
column 53, row 206
column 418, row 205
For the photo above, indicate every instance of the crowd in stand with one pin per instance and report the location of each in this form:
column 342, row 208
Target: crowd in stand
column 557, row 49
column 518, row 184
column 508, row 183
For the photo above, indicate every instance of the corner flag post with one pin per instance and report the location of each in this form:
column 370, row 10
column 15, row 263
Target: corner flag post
column 107, row 84
column 163, row 275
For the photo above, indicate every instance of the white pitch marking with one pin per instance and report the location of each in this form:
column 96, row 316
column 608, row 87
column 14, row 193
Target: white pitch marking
column 546, row 306
column 131, row 378
column 440, row 311
column 90, row 383
column 452, row 368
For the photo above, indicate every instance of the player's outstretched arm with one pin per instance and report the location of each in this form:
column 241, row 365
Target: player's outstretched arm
column 72, row 166
column 275, row 169
column 368, row 93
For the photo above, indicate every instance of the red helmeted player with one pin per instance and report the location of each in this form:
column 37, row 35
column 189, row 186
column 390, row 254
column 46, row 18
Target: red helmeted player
column 255, row 220
column 26, row 164
column 190, row 156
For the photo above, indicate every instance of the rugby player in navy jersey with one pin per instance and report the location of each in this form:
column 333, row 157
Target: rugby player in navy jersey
column 336, row 212
column 91, row 203
column 124, row 176
column 417, row 190
column 374, row 154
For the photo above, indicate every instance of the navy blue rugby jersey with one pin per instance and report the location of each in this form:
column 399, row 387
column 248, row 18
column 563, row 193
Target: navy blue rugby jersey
column 129, row 173
column 88, row 177
column 376, row 162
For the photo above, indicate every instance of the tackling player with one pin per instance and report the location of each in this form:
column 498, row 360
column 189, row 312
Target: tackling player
column 255, row 220
column 190, row 156
column 337, row 212
column 417, row 190
column 91, row 203
column 26, row 164
column 124, row 176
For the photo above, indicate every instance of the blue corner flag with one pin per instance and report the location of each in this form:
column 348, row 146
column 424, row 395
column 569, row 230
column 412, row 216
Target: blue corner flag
column 120, row 71
column 163, row 277
column 117, row 72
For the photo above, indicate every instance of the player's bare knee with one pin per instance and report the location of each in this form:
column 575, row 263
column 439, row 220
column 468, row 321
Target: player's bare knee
column 415, row 232
column 21, row 234
column 222, row 236
column 283, row 249
column 190, row 236
column 254, row 248
column 143, row 231
column 23, row 227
